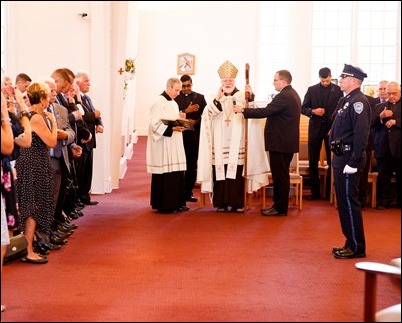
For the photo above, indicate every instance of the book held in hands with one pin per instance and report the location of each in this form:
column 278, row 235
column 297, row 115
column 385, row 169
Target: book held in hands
column 179, row 122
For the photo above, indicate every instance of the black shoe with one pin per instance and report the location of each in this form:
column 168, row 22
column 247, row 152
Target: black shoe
column 56, row 240
column 191, row 199
column 337, row 249
column 80, row 204
column 34, row 261
column 348, row 254
column 183, row 209
column 64, row 229
column 313, row 197
column 50, row 246
column 272, row 212
column 61, row 235
column 91, row 202
column 166, row 211
column 73, row 215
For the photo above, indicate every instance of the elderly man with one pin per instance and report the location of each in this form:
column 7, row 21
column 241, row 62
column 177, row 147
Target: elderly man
column 222, row 146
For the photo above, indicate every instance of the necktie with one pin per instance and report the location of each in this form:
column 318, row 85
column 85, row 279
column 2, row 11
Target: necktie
column 87, row 102
column 56, row 151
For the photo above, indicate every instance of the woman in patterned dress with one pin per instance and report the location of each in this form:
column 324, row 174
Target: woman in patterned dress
column 34, row 172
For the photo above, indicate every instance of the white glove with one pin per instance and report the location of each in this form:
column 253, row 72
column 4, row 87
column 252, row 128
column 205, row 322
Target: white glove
column 349, row 170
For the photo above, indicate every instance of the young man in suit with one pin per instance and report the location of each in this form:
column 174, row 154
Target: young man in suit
column 319, row 104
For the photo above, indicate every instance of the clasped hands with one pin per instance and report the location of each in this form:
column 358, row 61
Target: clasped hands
column 349, row 170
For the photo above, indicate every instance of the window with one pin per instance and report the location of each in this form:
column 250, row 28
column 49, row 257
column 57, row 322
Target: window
column 361, row 33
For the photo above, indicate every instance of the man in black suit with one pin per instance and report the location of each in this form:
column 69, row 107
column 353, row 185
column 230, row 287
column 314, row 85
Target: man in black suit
column 386, row 130
column 363, row 183
column 319, row 104
column 282, row 133
column 92, row 118
column 192, row 104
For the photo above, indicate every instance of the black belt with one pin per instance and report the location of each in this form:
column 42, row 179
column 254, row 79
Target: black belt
column 347, row 148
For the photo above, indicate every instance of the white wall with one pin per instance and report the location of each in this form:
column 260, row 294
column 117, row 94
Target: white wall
column 212, row 31
column 44, row 36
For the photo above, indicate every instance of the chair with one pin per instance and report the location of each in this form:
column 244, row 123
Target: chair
column 372, row 269
column 322, row 164
column 372, row 179
column 296, row 181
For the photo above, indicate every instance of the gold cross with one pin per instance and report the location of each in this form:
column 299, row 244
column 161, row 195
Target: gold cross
column 121, row 71
column 227, row 121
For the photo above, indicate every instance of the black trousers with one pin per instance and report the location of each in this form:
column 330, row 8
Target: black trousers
column 349, row 209
column 314, row 149
column 84, row 174
column 280, row 163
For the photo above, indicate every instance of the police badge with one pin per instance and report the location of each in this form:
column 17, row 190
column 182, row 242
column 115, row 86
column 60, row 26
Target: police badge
column 358, row 106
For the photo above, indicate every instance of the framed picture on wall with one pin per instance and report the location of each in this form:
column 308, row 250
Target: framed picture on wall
column 370, row 90
column 185, row 64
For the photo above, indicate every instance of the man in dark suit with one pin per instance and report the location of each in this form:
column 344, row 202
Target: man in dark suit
column 282, row 132
column 319, row 104
column 192, row 104
column 92, row 118
column 386, row 130
column 363, row 183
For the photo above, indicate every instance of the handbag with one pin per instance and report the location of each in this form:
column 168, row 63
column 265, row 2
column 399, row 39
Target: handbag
column 17, row 248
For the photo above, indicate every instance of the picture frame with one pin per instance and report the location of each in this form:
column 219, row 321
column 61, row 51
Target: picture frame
column 370, row 90
column 185, row 64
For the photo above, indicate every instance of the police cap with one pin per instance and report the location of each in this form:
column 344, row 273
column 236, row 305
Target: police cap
column 353, row 71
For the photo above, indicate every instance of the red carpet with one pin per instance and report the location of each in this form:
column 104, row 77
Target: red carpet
column 127, row 263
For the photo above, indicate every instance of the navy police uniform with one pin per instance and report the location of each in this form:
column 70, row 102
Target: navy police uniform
column 349, row 138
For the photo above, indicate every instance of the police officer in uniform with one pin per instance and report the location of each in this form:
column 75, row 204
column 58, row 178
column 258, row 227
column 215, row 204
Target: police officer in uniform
column 348, row 139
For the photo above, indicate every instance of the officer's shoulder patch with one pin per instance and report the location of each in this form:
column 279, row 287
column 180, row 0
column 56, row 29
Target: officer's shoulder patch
column 358, row 106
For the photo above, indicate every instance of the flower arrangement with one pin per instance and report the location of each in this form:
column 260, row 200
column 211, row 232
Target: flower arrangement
column 129, row 69
column 129, row 66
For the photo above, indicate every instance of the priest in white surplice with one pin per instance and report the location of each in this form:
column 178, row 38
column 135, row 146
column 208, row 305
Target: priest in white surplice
column 222, row 146
column 166, row 158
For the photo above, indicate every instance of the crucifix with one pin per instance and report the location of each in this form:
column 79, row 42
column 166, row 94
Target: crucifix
column 227, row 121
column 121, row 71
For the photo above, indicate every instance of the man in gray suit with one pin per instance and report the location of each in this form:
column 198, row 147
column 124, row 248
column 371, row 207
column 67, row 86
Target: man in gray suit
column 60, row 155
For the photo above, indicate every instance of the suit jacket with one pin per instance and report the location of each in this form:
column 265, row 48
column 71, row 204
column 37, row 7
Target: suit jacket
column 386, row 139
column 79, row 126
column 312, row 100
column 90, row 120
column 282, row 128
column 61, row 115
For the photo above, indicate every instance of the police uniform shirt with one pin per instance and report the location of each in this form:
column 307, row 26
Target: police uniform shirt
column 351, row 126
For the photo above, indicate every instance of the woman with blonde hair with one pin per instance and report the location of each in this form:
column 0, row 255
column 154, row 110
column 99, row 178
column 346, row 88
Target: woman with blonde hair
column 34, row 172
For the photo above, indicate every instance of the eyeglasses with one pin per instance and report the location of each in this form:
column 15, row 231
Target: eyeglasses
column 186, row 86
column 392, row 93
